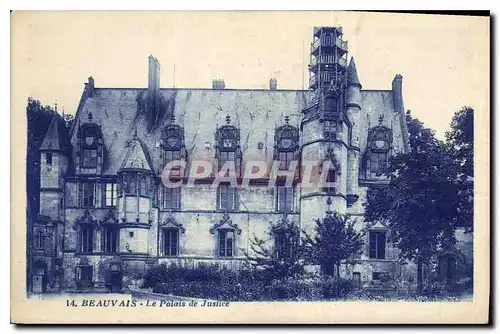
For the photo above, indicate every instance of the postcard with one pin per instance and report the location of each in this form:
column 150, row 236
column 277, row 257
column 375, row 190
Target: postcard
column 250, row 167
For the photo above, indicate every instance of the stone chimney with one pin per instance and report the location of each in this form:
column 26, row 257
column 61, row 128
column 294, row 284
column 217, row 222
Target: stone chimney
column 89, row 86
column 218, row 84
column 152, row 104
column 273, row 84
column 397, row 93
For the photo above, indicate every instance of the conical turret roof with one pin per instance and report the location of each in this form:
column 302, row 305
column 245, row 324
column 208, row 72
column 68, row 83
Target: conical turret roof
column 136, row 156
column 352, row 73
column 51, row 141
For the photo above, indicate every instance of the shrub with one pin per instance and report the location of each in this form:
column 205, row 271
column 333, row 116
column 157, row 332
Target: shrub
column 335, row 288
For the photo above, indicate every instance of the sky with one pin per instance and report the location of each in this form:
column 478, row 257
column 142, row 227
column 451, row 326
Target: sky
column 444, row 60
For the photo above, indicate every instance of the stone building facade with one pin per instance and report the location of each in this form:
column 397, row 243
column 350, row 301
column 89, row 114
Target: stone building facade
column 106, row 215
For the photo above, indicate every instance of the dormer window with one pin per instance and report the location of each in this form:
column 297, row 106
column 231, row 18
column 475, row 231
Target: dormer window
column 173, row 147
column 375, row 160
column 286, row 139
column 228, row 145
column 90, row 147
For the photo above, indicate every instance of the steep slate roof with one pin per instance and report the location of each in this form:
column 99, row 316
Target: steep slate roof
column 256, row 112
column 352, row 73
column 136, row 156
column 51, row 141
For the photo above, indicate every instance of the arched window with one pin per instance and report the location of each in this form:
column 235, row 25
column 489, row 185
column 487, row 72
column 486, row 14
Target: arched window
column 375, row 160
column 143, row 186
column 130, row 184
column 286, row 143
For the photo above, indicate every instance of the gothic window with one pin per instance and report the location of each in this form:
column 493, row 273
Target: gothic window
column 86, row 238
column 173, row 147
column 284, row 199
column 377, row 153
column 87, row 194
column 228, row 145
column 227, row 197
column 170, row 241
column 48, row 158
column 226, row 242
column 109, row 238
column 130, row 184
column 143, row 186
column 377, row 244
column 286, row 139
column 172, row 198
column 110, row 193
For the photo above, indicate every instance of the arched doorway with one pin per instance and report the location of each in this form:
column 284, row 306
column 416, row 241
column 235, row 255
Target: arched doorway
column 115, row 276
column 39, row 277
column 448, row 267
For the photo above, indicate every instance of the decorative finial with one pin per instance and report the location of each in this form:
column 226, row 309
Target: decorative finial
column 329, row 206
column 173, row 118
column 330, row 154
column 228, row 119
column 55, row 106
column 380, row 119
column 287, row 119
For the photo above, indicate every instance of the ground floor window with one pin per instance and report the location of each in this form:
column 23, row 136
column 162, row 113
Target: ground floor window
column 86, row 237
column 109, row 239
column 226, row 243
column 377, row 244
column 170, row 238
column 85, row 275
column 284, row 244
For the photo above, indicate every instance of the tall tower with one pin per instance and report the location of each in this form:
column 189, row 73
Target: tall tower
column 326, row 128
column 135, row 195
column 48, row 229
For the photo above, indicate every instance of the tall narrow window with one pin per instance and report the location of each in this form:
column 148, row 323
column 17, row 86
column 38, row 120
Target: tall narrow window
column 226, row 243
column 375, row 160
column 285, row 157
column 172, row 198
column 284, row 244
column 48, row 158
column 87, row 194
column 286, row 143
column 170, row 237
column 228, row 146
column 110, row 192
column 143, row 186
column 130, row 185
column 284, row 200
column 86, row 238
column 39, row 240
column 377, row 244
column 227, row 197
column 109, row 239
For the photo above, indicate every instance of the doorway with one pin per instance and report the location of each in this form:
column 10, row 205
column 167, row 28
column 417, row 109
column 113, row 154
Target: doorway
column 115, row 281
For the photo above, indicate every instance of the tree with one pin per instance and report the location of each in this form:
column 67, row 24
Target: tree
column 280, row 256
column 460, row 140
column 421, row 202
column 335, row 240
